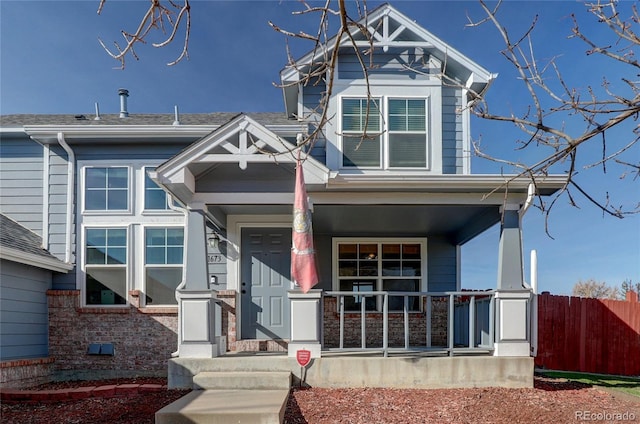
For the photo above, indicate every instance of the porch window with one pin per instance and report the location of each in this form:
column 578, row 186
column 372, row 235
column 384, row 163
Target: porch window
column 396, row 134
column 155, row 198
column 106, row 266
column 106, row 188
column 394, row 266
column 164, row 251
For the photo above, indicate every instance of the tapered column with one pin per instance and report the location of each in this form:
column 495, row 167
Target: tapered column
column 510, row 267
column 197, row 301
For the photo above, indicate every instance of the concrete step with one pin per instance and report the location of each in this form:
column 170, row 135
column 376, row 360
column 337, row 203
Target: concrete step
column 226, row 407
column 238, row 380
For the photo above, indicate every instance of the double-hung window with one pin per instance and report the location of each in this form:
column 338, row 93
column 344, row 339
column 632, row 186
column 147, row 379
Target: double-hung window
column 385, row 265
column 106, row 266
column 361, row 132
column 384, row 133
column 407, row 133
column 106, row 188
column 164, row 251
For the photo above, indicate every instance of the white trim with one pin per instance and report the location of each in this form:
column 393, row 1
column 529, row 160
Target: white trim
column 31, row 259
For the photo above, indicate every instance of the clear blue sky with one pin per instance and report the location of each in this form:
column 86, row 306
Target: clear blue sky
column 51, row 62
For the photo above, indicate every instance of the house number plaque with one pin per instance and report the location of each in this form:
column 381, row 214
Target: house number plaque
column 215, row 259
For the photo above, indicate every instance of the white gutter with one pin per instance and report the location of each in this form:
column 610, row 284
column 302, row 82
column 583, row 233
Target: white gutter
column 45, row 195
column 534, row 303
column 71, row 164
column 531, row 194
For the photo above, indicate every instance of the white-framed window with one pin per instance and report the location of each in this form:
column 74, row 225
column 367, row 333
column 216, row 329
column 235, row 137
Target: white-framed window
column 106, row 188
column 361, row 132
column 164, row 253
column 365, row 265
column 155, row 198
column 118, row 196
column 396, row 132
column 105, row 266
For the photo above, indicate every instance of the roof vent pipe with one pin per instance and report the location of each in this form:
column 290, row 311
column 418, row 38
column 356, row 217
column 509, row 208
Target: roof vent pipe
column 123, row 93
column 97, row 118
column 176, row 119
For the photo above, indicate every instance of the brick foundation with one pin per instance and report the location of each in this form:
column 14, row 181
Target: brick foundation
column 25, row 372
column 143, row 338
column 373, row 326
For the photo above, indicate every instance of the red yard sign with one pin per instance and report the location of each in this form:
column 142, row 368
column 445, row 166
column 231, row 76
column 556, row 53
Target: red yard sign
column 303, row 357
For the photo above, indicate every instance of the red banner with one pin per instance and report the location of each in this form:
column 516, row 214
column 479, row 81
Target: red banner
column 303, row 264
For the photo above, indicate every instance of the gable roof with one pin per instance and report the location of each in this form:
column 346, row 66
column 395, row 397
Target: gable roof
column 21, row 245
column 242, row 140
column 389, row 28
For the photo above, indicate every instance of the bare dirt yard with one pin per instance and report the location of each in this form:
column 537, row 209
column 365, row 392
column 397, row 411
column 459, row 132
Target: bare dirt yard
column 550, row 401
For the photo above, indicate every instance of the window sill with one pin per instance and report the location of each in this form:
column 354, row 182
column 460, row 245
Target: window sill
column 173, row 310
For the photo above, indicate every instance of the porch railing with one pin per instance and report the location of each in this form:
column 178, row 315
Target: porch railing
column 469, row 320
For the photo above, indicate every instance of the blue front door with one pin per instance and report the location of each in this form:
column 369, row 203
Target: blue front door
column 264, row 281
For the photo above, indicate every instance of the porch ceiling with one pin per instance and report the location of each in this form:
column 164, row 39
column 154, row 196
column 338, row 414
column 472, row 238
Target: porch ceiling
column 460, row 222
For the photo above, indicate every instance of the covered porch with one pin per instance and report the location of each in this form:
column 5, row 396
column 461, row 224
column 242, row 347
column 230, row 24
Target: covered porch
column 387, row 251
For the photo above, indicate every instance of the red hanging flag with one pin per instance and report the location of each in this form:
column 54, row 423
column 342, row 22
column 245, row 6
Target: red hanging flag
column 303, row 264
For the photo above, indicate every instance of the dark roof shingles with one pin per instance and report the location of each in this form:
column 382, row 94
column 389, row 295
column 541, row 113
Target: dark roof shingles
column 15, row 236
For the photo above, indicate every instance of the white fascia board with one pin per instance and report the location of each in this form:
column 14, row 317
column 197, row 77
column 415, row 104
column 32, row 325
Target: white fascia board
column 49, row 132
column 12, row 130
column 446, row 182
column 26, row 258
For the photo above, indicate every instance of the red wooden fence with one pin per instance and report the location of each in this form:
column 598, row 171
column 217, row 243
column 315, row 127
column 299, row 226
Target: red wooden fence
column 588, row 335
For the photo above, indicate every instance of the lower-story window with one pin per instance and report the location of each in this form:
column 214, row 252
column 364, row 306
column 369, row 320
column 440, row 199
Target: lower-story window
column 385, row 265
column 164, row 251
column 106, row 266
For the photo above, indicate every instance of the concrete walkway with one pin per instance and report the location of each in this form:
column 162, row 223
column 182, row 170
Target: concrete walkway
column 226, row 406
column 223, row 397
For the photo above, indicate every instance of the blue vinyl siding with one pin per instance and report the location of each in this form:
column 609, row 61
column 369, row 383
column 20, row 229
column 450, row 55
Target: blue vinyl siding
column 21, row 181
column 452, row 131
column 23, row 311
column 441, row 264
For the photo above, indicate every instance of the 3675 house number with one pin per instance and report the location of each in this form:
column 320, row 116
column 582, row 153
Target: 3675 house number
column 215, row 259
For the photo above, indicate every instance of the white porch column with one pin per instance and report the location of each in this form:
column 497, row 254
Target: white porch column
column 305, row 322
column 510, row 264
column 512, row 323
column 196, row 300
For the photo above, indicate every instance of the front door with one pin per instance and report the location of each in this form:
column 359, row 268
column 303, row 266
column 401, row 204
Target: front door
column 264, row 281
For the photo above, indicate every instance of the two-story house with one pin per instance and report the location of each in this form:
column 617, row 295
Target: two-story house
column 177, row 228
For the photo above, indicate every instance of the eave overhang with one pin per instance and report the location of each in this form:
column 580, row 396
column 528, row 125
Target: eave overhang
column 38, row 261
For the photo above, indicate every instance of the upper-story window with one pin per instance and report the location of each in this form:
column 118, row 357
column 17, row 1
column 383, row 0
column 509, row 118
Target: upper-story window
column 395, row 137
column 106, row 188
column 155, row 198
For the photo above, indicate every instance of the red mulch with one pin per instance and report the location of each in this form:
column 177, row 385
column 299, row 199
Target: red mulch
column 551, row 401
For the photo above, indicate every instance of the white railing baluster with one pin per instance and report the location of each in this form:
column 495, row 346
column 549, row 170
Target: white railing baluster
column 406, row 322
column 472, row 320
column 341, row 302
column 450, row 324
column 363, row 322
column 428, row 307
column 385, row 324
